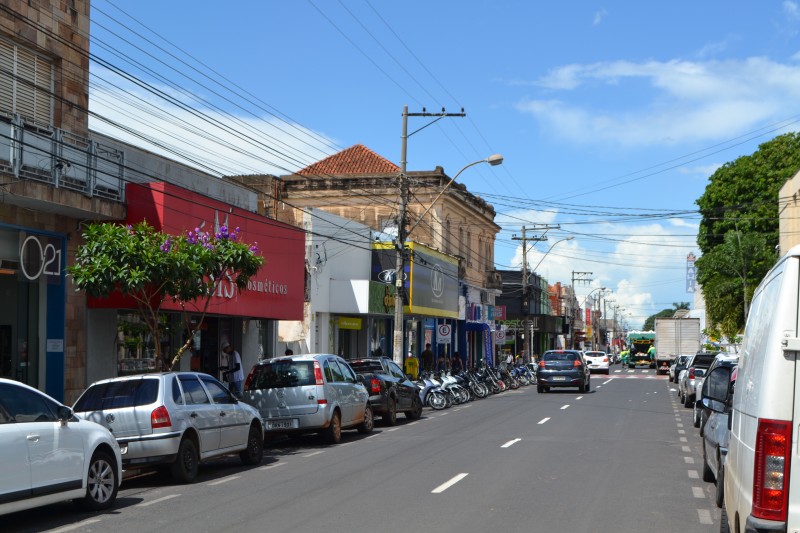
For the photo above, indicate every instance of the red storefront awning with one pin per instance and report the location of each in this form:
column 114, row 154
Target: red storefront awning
column 276, row 292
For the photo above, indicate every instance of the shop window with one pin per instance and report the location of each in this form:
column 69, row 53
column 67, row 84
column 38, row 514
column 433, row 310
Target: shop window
column 136, row 352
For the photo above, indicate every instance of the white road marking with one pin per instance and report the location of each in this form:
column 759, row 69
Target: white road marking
column 270, row 467
column 510, row 443
column 680, row 425
column 564, row 407
column 221, row 481
column 543, row 420
column 705, row 516
column 579, row 397
column 607, row 381
column 681, row 432
column 312, row 454
column 390, row 430
column 688, row 460
column 683, row 439
column 686, row 449
column 159, row 500
column 697, row 492
column 693, row 474
column 75, row 526
column 444, row 486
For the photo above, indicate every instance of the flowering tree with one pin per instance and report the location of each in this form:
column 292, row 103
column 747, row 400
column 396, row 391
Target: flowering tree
column 153, row 267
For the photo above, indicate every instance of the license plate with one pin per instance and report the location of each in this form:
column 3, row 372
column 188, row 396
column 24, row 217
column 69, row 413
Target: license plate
column 559, row 378
column 281, row 424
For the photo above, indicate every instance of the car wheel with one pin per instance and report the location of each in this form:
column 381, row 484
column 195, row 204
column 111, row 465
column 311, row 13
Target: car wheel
column 708, row 474
column 254, row 453
column 588, row 385
column 187, row 463
column 390, row 417
column 687, row 400
column 695, row 415
column 724, row 526
column 539, row 388
column 582, row 387
column 333, row 433
column 416, row 409
column 101, row 483
column 369, row 421
column 719, row 497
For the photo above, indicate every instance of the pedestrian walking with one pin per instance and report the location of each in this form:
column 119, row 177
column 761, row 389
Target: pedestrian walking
column 427, row 358
column 234, row 375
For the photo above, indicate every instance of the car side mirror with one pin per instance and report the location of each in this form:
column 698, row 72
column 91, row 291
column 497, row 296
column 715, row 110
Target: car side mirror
column 715, row 405
column 64, row 413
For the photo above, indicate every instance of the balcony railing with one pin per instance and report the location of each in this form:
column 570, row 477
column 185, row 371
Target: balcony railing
column 60, row 158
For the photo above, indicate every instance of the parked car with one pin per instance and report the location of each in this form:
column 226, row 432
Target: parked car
column 700, row 413
column 677, row 365
column 716, row 397
column 696, row 369
column 598, row 361
column 762, row 468
column 563, row 368
column 389, row 389
column 49, row 455
column 309, row 393
column 173, row 418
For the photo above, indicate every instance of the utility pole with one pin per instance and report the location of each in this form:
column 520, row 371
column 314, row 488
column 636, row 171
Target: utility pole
column 526, row 302
column 400, row 245
column 581, row 277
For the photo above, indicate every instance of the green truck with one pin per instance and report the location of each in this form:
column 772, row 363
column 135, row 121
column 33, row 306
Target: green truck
column 639, row 344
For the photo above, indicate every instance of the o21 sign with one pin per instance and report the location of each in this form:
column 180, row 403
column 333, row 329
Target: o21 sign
column 36, row 259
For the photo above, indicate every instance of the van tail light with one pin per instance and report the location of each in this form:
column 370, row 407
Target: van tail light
column 691, row 373
column 771, row 471
column 159, row 418
column 375, row 386
column 318, row 373
column 249, row 379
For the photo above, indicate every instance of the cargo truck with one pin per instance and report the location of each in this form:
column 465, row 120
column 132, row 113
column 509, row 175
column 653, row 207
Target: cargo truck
column 675, row 336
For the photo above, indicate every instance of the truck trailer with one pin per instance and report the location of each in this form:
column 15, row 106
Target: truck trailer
column 677, row 335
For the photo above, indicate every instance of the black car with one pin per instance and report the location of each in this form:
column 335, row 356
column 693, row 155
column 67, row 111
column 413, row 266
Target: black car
column 562, row 368
column 389, row 389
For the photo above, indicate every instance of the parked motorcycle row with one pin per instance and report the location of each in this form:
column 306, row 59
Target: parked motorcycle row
column 440, row 390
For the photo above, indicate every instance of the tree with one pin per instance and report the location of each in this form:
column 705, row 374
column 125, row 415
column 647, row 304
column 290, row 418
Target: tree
column 739, row 228
column 650, row 322
column 152, row 267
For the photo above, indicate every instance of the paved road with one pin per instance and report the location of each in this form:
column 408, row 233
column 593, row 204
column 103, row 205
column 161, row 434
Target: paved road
column 622, row 457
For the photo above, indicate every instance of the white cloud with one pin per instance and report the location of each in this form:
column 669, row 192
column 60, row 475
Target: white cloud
column 599, row 16
column 689, row 102
column 702, row 170
column 791, row 9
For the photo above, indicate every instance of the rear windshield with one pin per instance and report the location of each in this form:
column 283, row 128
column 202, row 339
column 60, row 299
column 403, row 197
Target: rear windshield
column 282, row 374
column 362, row 367
column 594, row 354
column 118, row 395
column 561, row 356
column 703, row 360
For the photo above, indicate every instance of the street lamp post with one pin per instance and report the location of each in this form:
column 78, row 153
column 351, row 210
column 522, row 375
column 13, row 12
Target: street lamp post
column 402, row 234
column 528, row 324
column 586, row 298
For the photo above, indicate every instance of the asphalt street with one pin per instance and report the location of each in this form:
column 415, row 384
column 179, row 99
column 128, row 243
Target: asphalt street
column 622, row 457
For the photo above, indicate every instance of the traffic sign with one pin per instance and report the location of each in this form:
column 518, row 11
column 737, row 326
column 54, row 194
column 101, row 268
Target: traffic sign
column 443, row 332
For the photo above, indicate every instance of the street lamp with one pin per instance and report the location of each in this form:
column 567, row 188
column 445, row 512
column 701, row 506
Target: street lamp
column 397, row 337
column 493, row 160
column 548, row 251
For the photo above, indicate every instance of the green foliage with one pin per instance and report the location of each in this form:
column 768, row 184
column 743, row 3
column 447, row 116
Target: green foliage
column 152, row 266
column 650, row 323
column 739, row 228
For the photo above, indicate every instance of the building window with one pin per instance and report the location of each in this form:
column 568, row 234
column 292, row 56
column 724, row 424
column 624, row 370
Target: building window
column 461, row 246
column 448, row 235
column 26, row 84
column 469, row 248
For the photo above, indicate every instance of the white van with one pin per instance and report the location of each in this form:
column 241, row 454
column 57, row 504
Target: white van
column 762, row 468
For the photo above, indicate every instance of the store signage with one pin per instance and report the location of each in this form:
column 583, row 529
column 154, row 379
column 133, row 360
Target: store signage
column 40, row 256
column 346, row 322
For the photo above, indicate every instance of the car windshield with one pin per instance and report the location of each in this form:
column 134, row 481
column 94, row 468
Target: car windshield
column 118, row 395
column 284, row 373
column 560, row 356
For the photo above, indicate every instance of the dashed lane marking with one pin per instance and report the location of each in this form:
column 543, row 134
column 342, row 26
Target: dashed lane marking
column 510, row 443
column 697, row 492
column 231, row 478
column 607, row 381
column 693, row 474
column 543, row 420
column 705, row 516
column 158, row 500
column 312, row 454
column 73, row 527
column 688, row 460
column 683, row 439
column 579, row 397
column 686, row 449
column 444, row 486
column 270, row 467
column 564, row 407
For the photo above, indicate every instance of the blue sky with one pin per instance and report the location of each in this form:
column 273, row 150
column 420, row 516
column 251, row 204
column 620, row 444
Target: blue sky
column 611, row 116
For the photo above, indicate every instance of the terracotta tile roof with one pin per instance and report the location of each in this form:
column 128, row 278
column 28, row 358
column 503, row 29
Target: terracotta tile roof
column 356, row 160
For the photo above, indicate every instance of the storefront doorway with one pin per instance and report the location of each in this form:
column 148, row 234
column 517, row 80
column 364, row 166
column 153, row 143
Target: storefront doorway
column 19, row 317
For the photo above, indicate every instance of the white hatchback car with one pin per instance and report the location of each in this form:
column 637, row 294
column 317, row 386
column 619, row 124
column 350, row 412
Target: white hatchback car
column 49, row 455
column 174, row 418
column 597, row 361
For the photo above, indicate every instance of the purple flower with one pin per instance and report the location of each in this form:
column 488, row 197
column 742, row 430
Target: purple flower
column 191, row 238
column 167, row 246
column 254, row 248
column 130, row 229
